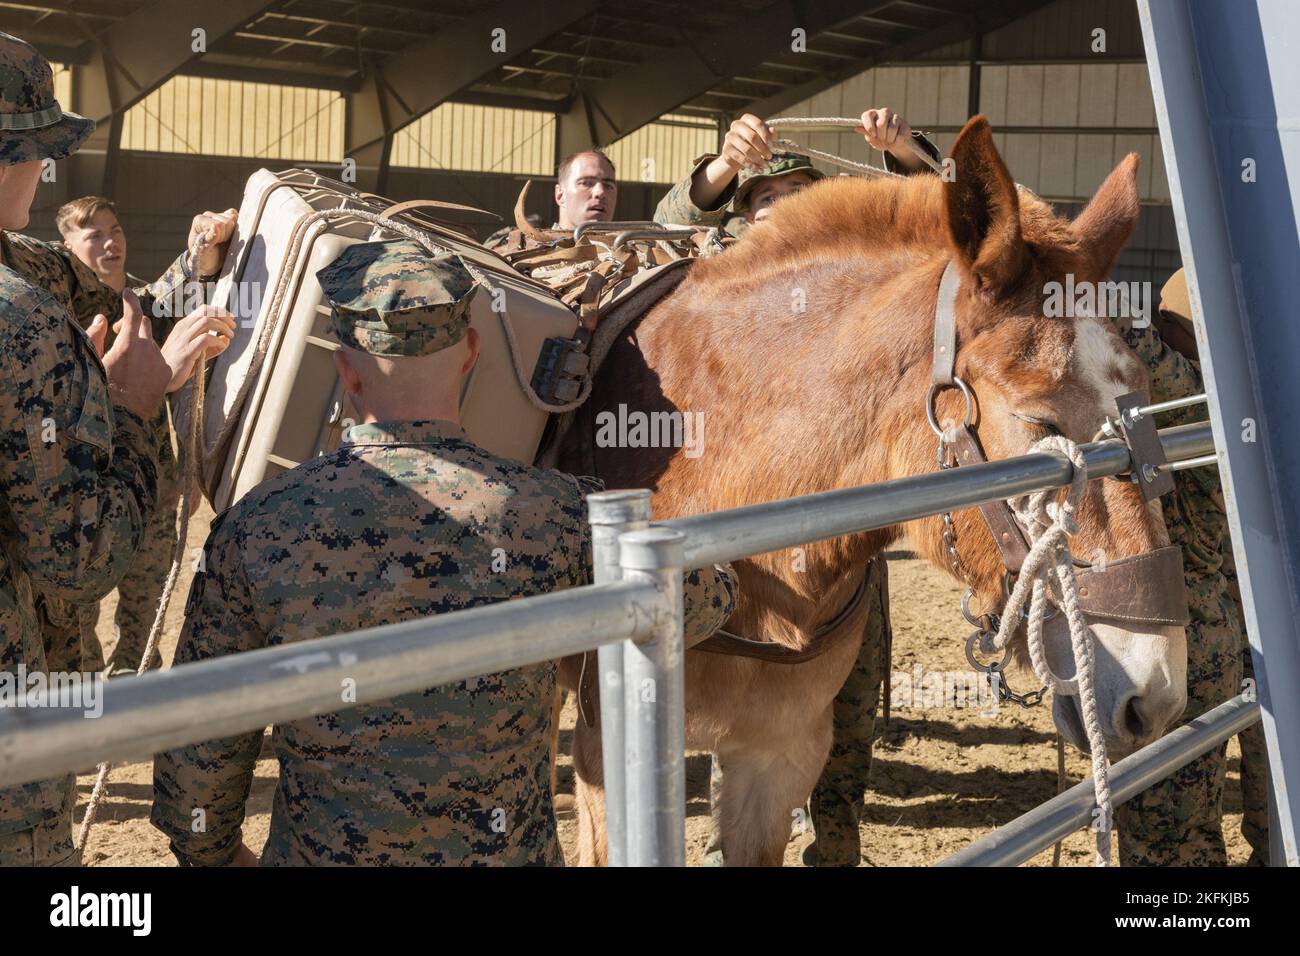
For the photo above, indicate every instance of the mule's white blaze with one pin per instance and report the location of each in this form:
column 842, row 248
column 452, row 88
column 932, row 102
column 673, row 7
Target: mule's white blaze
column 1097, row 360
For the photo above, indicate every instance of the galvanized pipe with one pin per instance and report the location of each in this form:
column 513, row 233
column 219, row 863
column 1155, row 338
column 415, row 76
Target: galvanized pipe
column 244, row 692
column 611, row 513
column 1048, row 822
column 756, row 529
column 654, row 695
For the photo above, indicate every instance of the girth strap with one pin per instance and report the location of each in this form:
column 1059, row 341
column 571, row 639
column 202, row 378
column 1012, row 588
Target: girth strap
column 724, row 642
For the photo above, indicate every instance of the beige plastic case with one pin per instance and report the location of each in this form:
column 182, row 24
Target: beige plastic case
column 293, row 406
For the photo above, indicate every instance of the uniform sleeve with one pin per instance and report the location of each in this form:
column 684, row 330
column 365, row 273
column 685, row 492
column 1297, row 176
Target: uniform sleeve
column 676, row 208
column 199, row 791
column 710, row 598
column 79, row 476
column 87, row 294
column 165, row 300
column 922, row 140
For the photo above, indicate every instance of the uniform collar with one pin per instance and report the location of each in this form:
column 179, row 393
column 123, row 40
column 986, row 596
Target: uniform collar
column 405, row 433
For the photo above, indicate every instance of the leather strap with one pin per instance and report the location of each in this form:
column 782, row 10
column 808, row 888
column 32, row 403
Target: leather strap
column 823, row 639
column 1006, row 532
column 436, row 205
column 1147, row 588
column 1002, row 525
column 945, row 326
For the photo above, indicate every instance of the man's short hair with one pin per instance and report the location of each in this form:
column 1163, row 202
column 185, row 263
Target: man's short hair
column 79, row 212
column 563, row 169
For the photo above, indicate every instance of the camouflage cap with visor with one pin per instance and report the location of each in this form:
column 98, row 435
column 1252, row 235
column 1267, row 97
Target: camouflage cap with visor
column 781, row 164
column 394, row 298
column 32, row 125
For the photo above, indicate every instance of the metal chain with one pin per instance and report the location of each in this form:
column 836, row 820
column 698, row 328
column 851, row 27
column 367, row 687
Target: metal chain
column 987, row 624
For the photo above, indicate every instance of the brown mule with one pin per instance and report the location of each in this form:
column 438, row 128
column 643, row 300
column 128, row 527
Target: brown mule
column 808, row 348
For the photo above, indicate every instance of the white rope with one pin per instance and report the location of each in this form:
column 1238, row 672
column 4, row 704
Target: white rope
column 1049, row 525
column 794, row 122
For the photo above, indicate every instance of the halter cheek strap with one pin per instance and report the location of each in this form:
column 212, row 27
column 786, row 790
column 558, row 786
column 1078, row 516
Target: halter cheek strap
column 1007, row 535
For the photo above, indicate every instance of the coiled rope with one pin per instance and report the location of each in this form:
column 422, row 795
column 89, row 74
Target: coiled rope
column 1050, row 524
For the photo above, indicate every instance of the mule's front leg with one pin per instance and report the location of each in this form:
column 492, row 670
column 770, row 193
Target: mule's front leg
column 588, row 771
column 765, row 791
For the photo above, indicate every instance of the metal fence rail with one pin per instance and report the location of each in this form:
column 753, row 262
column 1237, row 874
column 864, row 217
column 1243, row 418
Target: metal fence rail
column 634, row 613
column 1033, row 832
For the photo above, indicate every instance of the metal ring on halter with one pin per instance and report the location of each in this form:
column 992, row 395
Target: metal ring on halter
column 986, row 621
column 979, row 665
column 935, row 389
column 1024, row 614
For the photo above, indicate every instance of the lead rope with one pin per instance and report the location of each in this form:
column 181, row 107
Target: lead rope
column 191, row 450
column 794, row 122
column 1049, row 525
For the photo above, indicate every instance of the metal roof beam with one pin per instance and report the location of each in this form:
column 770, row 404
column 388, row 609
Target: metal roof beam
column 604, row 112
column 139, row 53
column 131, row 59
column 990, row 17
column 409, row 84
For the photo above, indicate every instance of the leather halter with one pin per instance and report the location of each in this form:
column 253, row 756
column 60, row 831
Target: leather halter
column 1147, row 588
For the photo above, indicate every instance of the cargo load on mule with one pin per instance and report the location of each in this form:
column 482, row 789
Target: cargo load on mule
column 273, row 398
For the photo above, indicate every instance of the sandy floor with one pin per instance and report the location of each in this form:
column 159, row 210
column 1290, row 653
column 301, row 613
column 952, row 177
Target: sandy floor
column 940, row 778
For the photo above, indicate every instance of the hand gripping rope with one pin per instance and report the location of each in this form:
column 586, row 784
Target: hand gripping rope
column 793, row 122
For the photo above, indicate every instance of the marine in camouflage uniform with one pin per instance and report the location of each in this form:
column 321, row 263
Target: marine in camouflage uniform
column 69, row 628
column 1178, row 822
column 73, row 506
column 835, row 808
column 405, row 520
column 140, row 591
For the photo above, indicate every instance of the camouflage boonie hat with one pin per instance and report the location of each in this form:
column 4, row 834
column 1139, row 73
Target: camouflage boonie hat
column 781, row 164
column 394, row 298
column 32, row 125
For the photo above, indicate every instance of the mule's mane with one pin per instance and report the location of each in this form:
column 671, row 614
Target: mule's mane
column 904, row 218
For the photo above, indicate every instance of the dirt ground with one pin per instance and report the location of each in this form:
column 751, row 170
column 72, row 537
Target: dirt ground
column 941, row 776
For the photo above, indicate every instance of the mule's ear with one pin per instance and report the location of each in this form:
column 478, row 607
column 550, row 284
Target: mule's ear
column 1108, row 220
column 984, row 211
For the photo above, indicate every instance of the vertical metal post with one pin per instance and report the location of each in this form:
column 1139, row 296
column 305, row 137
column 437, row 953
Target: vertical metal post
column 611, row 513
column 1226, row 87
column 654, row 692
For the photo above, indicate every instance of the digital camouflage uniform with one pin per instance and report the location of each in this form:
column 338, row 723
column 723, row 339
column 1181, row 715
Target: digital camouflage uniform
column 78, row 476
column 140, row 591
column 69, row 628
column 405, row 520
column 835, row 807
column 1177, row 822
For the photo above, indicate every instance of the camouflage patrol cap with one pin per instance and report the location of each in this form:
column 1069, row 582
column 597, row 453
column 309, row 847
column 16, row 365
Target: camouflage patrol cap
column 394, row 298
column 32, row 125
column 781, row 164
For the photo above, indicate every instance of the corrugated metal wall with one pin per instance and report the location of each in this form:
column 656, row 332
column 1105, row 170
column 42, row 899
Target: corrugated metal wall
column 483, row 139
column 665, row 151
column 208, row 117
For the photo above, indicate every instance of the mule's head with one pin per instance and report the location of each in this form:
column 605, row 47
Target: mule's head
column 1036, row 373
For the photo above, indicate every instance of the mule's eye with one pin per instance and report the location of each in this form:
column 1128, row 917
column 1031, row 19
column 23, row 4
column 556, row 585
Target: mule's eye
column 1050, row 427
